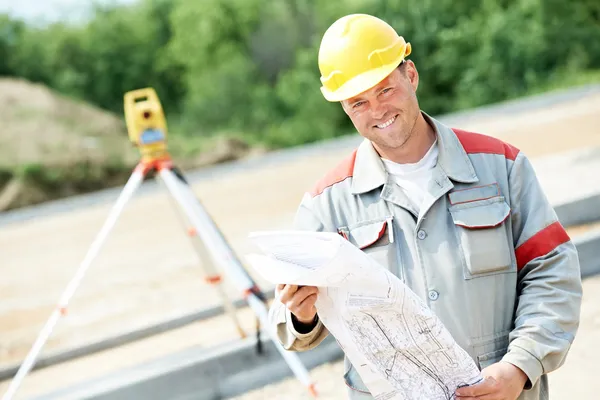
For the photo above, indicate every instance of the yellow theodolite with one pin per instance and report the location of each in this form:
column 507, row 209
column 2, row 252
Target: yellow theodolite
column 146, row 124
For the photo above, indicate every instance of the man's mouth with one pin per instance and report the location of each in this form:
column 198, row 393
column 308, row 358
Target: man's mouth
column 387, row 123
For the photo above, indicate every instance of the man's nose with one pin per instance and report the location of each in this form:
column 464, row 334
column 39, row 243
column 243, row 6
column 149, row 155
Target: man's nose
column 377, row 110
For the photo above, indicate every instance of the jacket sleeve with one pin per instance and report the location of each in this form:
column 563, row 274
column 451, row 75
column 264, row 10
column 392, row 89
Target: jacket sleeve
column 549, row 286
column 279, row 316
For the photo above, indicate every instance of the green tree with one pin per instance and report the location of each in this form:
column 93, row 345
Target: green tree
column 11, row 32
column 249, row 67
column 124, row 49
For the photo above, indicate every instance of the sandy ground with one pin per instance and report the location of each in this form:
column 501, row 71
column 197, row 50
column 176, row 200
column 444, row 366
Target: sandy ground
column 147, row 271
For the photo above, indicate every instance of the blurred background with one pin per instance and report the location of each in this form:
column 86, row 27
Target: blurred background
column 238, row 79
column 235, row 75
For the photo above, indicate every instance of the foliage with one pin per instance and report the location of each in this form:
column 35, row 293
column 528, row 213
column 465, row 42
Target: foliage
column 249, row 67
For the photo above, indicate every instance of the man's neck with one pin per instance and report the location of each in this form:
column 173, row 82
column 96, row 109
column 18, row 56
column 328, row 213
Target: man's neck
column 421, row 139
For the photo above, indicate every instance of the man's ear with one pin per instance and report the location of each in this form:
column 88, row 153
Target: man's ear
column 412, row 74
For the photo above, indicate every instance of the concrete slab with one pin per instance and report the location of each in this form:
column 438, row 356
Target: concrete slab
column 588, row 247
column 571, row 176
column 222, row 372
column 580, row 211
column 121, row 339
column 571, row 181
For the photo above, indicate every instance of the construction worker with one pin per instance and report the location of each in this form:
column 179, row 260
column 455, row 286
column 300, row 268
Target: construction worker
column 459, row 217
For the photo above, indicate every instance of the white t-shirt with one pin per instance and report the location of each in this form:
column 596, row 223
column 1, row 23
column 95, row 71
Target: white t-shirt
column 414, row 178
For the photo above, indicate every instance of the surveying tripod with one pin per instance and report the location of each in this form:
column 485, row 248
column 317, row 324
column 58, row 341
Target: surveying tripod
column 147, row 130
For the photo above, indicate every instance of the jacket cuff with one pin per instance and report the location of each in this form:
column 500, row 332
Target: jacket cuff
column 295, row 333
column 526, row 362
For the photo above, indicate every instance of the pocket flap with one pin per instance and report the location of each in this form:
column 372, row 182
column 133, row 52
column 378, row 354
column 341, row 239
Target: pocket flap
column 485, row 214
column 367, row 234
column 477, row 193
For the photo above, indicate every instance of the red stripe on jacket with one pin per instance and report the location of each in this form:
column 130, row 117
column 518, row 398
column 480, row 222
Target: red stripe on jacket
column 541, row 244
column 471, row 142
column 478, row 143
column 342, row 171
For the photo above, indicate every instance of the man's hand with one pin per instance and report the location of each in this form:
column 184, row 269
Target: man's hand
column 300, row 301
column 502, row 381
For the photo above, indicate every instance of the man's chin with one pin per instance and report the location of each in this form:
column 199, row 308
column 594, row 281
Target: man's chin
column 390, row 142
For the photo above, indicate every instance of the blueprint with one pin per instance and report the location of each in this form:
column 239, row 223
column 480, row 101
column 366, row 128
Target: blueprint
column 398, row 346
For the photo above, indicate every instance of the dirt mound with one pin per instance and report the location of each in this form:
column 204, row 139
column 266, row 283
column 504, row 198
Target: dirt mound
column 52, row 146
column 40, row 126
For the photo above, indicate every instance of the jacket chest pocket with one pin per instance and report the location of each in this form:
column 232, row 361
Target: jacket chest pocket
column 482, row 234
column 375, row 238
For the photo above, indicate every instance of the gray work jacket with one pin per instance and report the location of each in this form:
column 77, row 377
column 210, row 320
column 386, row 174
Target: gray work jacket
column 486, row 253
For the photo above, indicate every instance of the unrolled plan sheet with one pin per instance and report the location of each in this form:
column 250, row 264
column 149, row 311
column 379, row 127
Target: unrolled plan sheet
column 398, row 346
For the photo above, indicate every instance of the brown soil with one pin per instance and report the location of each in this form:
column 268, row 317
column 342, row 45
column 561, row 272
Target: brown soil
column 41, row 126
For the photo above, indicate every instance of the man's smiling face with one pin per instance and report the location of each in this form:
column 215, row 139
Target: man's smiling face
column 386, row 114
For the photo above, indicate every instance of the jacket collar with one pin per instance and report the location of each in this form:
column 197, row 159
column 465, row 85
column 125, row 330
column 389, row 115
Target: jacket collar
column 369, row 172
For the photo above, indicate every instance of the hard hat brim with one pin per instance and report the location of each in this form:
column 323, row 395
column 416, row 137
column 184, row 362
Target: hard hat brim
column 360, row 83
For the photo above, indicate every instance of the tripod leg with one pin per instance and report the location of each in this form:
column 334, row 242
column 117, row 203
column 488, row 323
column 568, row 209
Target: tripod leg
column 211, row 274
column 132, row 184
column 205, row 227
column 291, row 358
column 224, row 255
column 214, row 278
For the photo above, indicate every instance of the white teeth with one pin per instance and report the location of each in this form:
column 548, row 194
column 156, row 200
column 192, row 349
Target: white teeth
column 386, row 123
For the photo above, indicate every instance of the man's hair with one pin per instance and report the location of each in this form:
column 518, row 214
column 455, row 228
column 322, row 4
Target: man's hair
column 402, row 66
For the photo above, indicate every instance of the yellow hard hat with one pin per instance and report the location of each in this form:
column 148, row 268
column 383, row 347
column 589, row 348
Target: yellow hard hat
column 357, row 52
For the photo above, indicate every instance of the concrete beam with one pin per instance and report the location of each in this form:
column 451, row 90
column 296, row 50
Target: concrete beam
column 222, row 372
column 124, row 338
column 588, row 247
column 579, row 211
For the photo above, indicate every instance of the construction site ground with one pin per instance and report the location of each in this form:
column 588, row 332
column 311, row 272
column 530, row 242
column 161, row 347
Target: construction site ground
column 148, row 272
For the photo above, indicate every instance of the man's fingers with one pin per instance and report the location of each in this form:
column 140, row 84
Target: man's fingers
column 303, row 306
column 295, row 293
column 488, row 386
column 306, row 291
column 299, row 296
column 309, row 301
column 294, row 301
column 287, row 292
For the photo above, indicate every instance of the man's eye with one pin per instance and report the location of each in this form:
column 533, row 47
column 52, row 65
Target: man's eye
column 386, row 90
column 358, row 104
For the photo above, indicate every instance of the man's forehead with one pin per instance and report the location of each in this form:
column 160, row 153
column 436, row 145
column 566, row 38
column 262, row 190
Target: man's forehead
column 385, row 82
